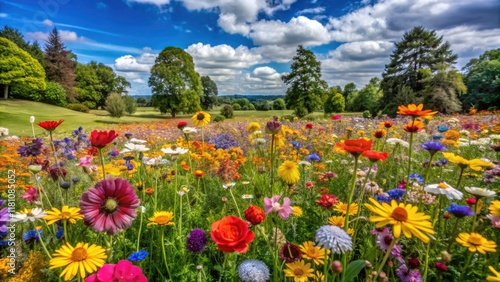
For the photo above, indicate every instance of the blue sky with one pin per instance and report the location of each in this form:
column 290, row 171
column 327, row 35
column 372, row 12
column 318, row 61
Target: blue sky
column 246, row 45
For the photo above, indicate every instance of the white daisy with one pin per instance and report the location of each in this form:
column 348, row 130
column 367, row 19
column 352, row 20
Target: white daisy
column 28, row 214
column 155, row 161
column 189, row 130
column 174, row 150
column 137, row 141
column 444, row 188
column 480, row 192
column 132, row 147
column 397, row 141
column 247, row 196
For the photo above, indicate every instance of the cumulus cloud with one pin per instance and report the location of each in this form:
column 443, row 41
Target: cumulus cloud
column 66, row 35
column 222, row 56
column 129, row 63
column 48, row 23
column 317, row 10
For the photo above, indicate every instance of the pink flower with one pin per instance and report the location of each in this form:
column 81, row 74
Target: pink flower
column 85, row 161
column 336, row 117
column 272, row 205
column 495, row 221
column 31, row 195
column 124, row 271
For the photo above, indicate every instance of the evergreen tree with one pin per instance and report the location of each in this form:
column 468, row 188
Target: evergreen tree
column 210, row 93
column 419, row 49
column 60, row 64
column 305, row 84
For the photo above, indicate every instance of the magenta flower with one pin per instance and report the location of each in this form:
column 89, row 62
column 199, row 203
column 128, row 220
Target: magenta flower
column 272, row 205
column 110, row 205
column 124, row 271
column 85, row 161
column 31, row 195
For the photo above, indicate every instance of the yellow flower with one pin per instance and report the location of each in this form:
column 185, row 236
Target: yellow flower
column 289, row 172
column 315, row 253
column 297, row 211
column 253, row 126
column 33, row 269
column 495, row 208
column 201, row 118
column 80, row 260
column 161, row 218
column 493, row 278
column 475, row 164
column 476, row 243
column 405, row 218
column 300, row 271
column 319, row 276
column 71, row 215
column 337, row 221
column 342, row 208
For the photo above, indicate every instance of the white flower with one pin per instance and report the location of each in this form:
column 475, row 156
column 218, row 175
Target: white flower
column 453, row 121
column 4, row 131
column 137, row 141
column 131, row 147
column 174, row 150
column 480, row 192
column 397, row 141
column 189, row 130
column 142, row 209
column 306, row 163
column 259, row 141
column 444, row 188
column 245, row 182
column 28, row 214
column 334, row 239
column 464, row 132
column 247, row 196
column 183, row 190
column 228, row 185
column 32, row 119
column 155, row 161
column 495, row 136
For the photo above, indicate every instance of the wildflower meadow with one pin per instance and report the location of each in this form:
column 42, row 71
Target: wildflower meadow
column 411, row 198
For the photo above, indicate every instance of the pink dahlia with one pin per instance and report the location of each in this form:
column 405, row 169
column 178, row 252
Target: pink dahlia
column 124, row 270
column 110, row 205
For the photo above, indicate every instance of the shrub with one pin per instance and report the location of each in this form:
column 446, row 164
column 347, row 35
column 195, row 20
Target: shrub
column 367, row 114
column 236, row 107
column 219, row 118
column 334, row 104
column 287, row 118
column 90, row 104
column 279, row 104
column 78, row 108
column 54, row 94
column 130, row 104
column 301, row 112
column 227, row 111
column 115, row 105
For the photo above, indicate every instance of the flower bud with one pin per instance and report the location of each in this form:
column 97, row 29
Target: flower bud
column 34, row 168
column 441, row 266
column 413, row 263
column 32, row 119
column 336, row 266
column 471, row 201
column 445, row 256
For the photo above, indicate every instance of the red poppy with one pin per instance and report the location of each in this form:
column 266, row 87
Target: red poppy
column 336, row 117
column 309, row 126
column 356, row 147
column 375, row 156
column 50, row 125
column 414, row 126
column 101, row 139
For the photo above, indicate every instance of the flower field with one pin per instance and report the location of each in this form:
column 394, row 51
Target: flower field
column 413, row 198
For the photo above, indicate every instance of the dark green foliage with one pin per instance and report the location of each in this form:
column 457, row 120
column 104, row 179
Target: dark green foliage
column 366, row 98
column 349, row 89
column 210, row 93
column 115, row 105
column 219, row 118
column 78, row 108
column 130, row 104
column 142, row 102
column 263, row 105
column 60, row 64
column 236, row 107
column 335, row 103
column 279, row 104
column 443, row 89
column 175, row 84
column 54, row 94
column 367, row 114
column 305, row 84
column 227, row 111
column 482, row 78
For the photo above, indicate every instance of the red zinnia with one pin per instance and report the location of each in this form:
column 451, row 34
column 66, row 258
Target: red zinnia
column 182, row 124
column 327, row 201
column 110, row 205
column 255, row 215
column 309, row 126
column 356, row 147
column 50, row 125
column 375, row 156
column 101, row 139
column 231, row 234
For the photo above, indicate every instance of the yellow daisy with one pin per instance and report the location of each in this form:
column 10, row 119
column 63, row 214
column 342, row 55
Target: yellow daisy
column 476, row 243
column 340, row 222
column 289, row 172
column 161, row 218
column 80, row 260
column 297, row 211
column 300, row 271
column 495, row 208
column 493, row 278
column 342, row 208
column 71, row 215
column 405, row 218
column 474, row 164
column 315, row 253
column 201, row 118
column 253, row 126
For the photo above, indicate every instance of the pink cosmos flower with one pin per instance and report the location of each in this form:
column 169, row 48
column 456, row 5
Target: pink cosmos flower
column 495, row 221
column 110, row 206
column 31, row 195
column 85, row 161
column 123, row 271
column 272, row 205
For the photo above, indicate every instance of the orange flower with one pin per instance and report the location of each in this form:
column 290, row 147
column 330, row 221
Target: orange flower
column 185, row 166
column 375, row 156
column 355, row 147
column 231, row 234
column 414, row 126
column 379, row 133
column 415, row 111
column 388, row 123
column 149, row 191
column 199, row 173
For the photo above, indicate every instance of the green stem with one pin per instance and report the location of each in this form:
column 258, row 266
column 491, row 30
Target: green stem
column 475, row 216
column 460, row 177
column 434, row 219
column 408, row 171
column 42, row 243
column 65, row 227
column 275, row 270
column 351, row 192
column 56, row 160
column 428, row 169
column 272, row 162
column 384, row 260
column 164, row 253
column 102, row 164
column 140, row 230
column 234, row 199
column 453, row 234
column 180, row 217
column 469, row 256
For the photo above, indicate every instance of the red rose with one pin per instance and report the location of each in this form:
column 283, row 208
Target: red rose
column 50, row 125
column 231, row 234
column 181, row 124
column 309, row 126
column 255, row 215
column 101, row 139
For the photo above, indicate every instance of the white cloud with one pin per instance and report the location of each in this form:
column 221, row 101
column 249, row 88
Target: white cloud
column 129, row 63
column 48, row 23
column 222, row 56
column 154, row 2
column 317, row 10
column 139, row 80
column 66, row 35
column 3, row 15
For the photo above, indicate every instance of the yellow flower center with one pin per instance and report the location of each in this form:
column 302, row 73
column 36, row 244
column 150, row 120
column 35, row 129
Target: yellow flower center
column 162, row 219
column 110, row 205
column 400, row 214
column 475, row 239
column 200, row 116
column 65, row 215
column 298, row 272
column 29, row 213
column 442, row 186
column 79, row 254
column 312, row 252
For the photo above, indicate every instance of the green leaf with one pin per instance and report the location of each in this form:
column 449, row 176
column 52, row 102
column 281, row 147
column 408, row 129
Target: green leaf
column 353, row 269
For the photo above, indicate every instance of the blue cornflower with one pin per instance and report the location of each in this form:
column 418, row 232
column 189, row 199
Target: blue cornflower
column 138, row 256
column 437, row 137
column 396, row 194
column 296, row 144
column 224, row 141
column 252, row 270
column 313, row 157
column 433, row 147
column 60, row 232
column 30, row 236
column 417, row 177
column 383, row 198
column 442, row 128
column 459, row 211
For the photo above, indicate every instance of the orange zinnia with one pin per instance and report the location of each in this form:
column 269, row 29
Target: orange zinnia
column 375, row 156
column 415, row 111
column 355, row 147
column 414, row 126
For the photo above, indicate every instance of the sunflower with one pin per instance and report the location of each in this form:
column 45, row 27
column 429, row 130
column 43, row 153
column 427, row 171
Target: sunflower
column 161, row 218
column 71, row 215
column 415, row 111
column 403, row 217
column 476, row 243
column 342, row 208
column 289, row 172
column 300, row 271
column 80, row 260
column 493, row 278
column 315, row 253
column 495, row 208
column 201, row 118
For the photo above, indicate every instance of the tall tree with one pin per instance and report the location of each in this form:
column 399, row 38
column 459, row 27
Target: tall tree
column 175, row 84
column 305, row 84
column 418, row 49
column 443, row 89
column 482, row 78
column 15, row 36
column 210, row 93
column 60, row 63
column 17, row 67
column 349, row 89
column 367, row 98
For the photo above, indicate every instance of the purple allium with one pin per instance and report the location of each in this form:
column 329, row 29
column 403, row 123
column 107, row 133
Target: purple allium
column 138, row 256
column 313, row 157
column 460, row 211
column 32, row 149
column 196, row 241
column 433, row 147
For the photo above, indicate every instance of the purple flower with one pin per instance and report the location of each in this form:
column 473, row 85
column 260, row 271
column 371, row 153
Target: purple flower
column 407, row 275
column 4, row 218
column 224, row 141
column 31, row 149
column 313, row 157
column 433, row 147
column 396, row 194
column 196, row 241
column 459, row 211
column 272, row 205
